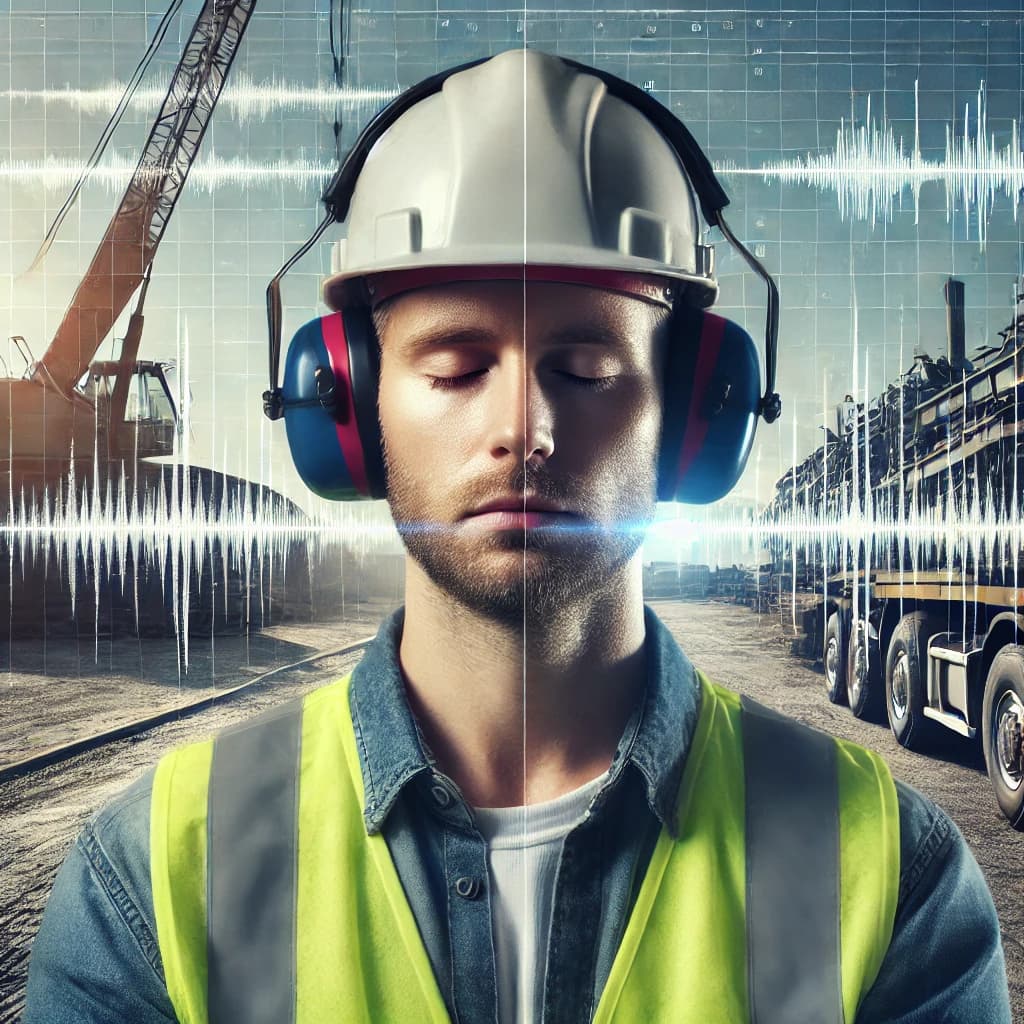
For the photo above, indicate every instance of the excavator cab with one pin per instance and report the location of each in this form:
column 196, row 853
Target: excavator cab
column 149, row 423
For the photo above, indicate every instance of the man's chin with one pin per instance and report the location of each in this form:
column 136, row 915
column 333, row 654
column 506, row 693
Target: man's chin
column 525, row 604
column 521, row 586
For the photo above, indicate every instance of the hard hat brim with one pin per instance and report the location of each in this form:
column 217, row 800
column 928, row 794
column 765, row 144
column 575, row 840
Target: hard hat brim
column 354, row 288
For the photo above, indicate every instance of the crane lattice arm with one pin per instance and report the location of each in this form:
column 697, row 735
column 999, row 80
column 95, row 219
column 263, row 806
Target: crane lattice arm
column 131, row 239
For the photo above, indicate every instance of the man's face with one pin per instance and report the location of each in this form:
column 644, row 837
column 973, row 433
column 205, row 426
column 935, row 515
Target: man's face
column 543, row 394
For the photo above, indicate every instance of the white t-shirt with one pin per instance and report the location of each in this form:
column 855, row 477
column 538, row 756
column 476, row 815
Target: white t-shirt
column 523, row 848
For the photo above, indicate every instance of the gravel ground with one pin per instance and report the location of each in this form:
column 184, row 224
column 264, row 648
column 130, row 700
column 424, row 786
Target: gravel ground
column 43, row 812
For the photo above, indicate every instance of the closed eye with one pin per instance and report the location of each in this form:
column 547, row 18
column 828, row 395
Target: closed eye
column 594, row 383
column 466, row 380
column 461, row 381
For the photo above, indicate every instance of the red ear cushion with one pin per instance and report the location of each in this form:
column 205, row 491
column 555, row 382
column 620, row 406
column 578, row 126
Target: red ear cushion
column 697, row 423
column 333, row 329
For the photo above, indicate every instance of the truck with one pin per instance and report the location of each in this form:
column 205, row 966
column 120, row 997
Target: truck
column 906, row 521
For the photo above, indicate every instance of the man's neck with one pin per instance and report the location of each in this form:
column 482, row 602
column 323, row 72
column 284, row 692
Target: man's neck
column 521, row 715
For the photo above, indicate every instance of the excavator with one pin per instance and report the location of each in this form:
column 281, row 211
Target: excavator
column 74, row 425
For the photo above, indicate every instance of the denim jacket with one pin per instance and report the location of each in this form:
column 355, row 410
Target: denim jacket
column 96, row 956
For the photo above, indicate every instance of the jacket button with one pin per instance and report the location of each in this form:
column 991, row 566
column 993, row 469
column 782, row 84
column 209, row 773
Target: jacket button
column 468, row 888
column 441, row 795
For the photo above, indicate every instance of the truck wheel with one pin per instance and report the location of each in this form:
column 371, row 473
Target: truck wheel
column 835, row 660
column 864, row 682
column 1002, row 717
column 905, row 668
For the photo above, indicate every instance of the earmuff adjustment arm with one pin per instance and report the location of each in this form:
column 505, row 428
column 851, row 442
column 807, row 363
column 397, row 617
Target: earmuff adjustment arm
column 273, row 404
column 771, row 404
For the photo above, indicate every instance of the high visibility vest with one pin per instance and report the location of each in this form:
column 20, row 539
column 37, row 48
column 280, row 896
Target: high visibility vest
column 774, row 903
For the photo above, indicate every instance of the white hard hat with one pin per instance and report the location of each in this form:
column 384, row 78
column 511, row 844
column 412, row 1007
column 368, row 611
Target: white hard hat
column 522, row 159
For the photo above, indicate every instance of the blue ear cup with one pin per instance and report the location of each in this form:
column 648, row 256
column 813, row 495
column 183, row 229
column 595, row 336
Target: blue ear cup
column 330, row 406
column 712, row 396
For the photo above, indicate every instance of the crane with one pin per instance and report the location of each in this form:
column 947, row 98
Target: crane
column 48, row 414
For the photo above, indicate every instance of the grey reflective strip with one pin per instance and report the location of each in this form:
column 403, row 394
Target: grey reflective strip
column 252, row 849
column 792, row 821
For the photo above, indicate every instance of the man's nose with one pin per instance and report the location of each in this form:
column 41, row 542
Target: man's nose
column 522, row 417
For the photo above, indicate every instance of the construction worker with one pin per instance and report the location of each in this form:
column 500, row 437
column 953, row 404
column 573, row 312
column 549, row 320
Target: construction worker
column 525, row 804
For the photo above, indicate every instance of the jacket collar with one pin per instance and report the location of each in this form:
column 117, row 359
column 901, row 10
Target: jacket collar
column 655, row 742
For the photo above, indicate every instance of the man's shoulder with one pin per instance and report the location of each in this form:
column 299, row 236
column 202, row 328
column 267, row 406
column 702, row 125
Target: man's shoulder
column 117, row 837
column 95, row 955
column 126, row 811
column 927, row 837
column 107, row 871
column 316, row 699
column 945, row 958
column 856, row 756
column 120, row 827
column 292, row 708
column 118, row 832
column 329, row 692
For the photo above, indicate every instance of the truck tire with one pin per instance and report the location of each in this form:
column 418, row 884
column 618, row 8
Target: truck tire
column 834, row 658
column 905, row 669
column 865, row 687
column 1002, row 720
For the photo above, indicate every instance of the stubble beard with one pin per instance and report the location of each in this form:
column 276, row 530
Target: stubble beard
column 559, row 570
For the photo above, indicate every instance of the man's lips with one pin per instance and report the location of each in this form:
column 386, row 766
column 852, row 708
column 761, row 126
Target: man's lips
column 519, row 512
column 520, row 503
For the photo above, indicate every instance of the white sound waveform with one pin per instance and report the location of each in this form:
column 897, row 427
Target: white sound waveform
column 208, row 175
column 183, row 545
column 949, row 543
column 244, row 98
column 871, row 169
column 194, row 547
column 965, row 532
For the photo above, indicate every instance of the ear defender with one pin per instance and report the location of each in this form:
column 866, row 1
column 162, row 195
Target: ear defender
column 711, row 401
column 330, row 406
column 712, row 396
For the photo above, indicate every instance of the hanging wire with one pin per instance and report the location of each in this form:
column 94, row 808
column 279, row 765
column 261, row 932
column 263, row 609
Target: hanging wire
column 339, row 32
column 108, row 131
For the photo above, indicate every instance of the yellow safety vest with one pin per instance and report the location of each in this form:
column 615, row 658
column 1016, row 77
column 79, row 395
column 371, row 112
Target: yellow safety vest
column 307, row 920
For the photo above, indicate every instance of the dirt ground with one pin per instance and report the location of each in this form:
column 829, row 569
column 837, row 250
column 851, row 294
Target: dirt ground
column 43, row 812
column 103, row 684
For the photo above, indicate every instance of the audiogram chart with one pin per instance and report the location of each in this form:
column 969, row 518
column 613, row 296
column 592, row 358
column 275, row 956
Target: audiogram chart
column 872, row 170
column 869, row 153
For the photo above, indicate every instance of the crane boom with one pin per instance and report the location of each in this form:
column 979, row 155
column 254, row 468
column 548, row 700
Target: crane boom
column 137, row 226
